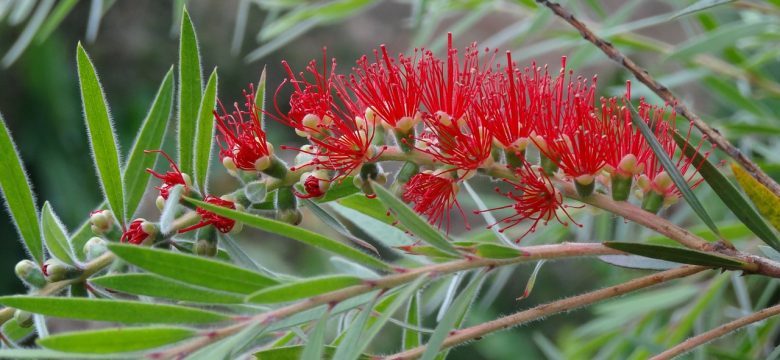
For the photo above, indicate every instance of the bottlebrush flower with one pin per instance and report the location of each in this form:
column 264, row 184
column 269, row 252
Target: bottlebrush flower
column 535, row 198
column 223, row 224
column 506, row 107
column 310, row 102
column 390, row 89
column 170, row 178
column 315, row 184
column 138, row 231
column 433, row 195
column 464, row 145
column 655, row 182
column 245, row 145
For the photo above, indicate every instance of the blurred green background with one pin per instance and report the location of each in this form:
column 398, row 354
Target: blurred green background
column 723, row 61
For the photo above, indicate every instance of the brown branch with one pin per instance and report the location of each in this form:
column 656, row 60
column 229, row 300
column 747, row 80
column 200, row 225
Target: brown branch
column 458, row 337
column 717, row 332
column 713, row 135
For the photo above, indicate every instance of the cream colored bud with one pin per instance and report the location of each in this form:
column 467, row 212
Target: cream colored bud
column 628, row 165
column 444, row 118
column 585, row 179
column 663, row 182
column 187, row 180
column 229, row 164
column 264, row 162
column 310, row 121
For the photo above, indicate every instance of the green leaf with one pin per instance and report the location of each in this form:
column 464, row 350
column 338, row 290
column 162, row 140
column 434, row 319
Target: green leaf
column 15, row 333
column 338, row 190
column 260, row 96
column 315, row 346
column 170, row 208
column 190, row 91
column 454, row 315
column 15, row 188
column 335, row 224
column 412, row 338
column 294, row 352
column 55, row 235
column 159, row 287
column 638, row 262
column 39, row 354
column 729, row 194
column 529, row 286
column 204, row 137
column 123, row 311
column 294, row 232
column 766, row 202
column 719, row 39
column 700, row 5
column 414, row 222
column 227, row 347
column 102, row 139
column 302, row 289
column 676, row 254
column 112, row 340
column 193, row 269
column 674, row 173
column 367, row 206
column 150, row 137
column 351, row 338
column 495, row 251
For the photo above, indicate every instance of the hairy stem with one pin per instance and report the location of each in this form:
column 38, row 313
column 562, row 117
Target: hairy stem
column 713, row 135
column 717, row 332
column 531, row 253
column 458, row 337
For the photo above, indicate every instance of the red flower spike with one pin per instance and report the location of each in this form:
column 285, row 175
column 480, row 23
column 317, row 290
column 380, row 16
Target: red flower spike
column 310, row 102
column 223, row 224
column 449, row 92
column 245, row 142
column 391, row 90
column 170, row 178
column 656, row 177
column 135, row 234
column 434, row 196
column 627, row 148
column 506, row 108
column 535, row 199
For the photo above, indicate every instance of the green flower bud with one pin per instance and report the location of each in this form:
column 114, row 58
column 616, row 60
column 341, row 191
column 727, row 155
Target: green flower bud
column 56, row 270
column 94, row 247
column 290, row 216
column 206, row 247
column 30, row 274
column 23, row 318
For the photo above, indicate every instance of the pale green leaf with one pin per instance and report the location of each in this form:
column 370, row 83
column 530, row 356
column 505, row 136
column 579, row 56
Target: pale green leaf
column 160, row 287
column 315, row 346
column 113, row 340
column 302, row 289
column 204, row 137
column 55, row 235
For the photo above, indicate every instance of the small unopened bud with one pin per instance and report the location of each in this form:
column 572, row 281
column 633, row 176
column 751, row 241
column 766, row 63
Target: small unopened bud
column 585, row 184
column 628, row 165
column 102, row 221
column 30, row 274
column 229, row 164
column 159, row 202
column 444, row 118
column 205, row 247
column 310, row 121
column 23, row 318
column 187, row 181
column 290, row 216
column 56, row 270
column 663, row 182
column 94, row 247
column 264, row 162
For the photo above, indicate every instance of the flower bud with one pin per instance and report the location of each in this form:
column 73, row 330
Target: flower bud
column 101, row 221
column 264, row 162
column 652, row 201
column 229, row 164
column 290, row 216
column 56, row 270
column 205, row 247
column 585, row 184
column 30, row 274
column 94, row 247
column 160, row 202
column 23, row 318
column 629, row 165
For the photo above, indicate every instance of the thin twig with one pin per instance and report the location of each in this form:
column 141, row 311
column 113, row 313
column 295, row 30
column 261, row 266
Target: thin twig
column 387, row 282
column 717, row 332
column 461, row 336
column 713, row 135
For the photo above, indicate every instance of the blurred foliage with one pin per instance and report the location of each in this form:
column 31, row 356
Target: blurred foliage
column 720, row 56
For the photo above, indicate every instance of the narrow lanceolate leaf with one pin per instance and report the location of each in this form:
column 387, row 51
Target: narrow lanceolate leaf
column 495, row 251
column 190, row 91
column 766, row 202
column 193, row 270
column 454, row 315
column 15, row 188
column 55, row 235
column 260, row 96
column 412, row 338
column 160, row 287
column 295, row 352
column 101, row 135
column 149, row 138
column 315, row 346
column 674, row 173
column 679, row 255
column 39, row 354
column 204, row 136
column 302, row 289
column 123, row 311
column 115, row 340
column 699, row 5
column 529, row 286
column 294, row 232
column 730, row 195
column 335, row 224
column 230, row 347
column 170, row 208
column 351, row 339
column 414, row 222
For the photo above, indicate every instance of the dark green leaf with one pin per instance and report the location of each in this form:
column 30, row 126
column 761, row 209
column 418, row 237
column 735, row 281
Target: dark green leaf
column 190, row 92
column 150, row 137
column 123, row 311
column 156, row 286
column 729, row 194
column 55, row 235
column 294, row 232
column 204, row 137
column 302, row 289
column 676, row 254
column 674, row 173
column 113, row 340
column 414, row 222
column 18, row 195
column 193, row 270
column 102, row 139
